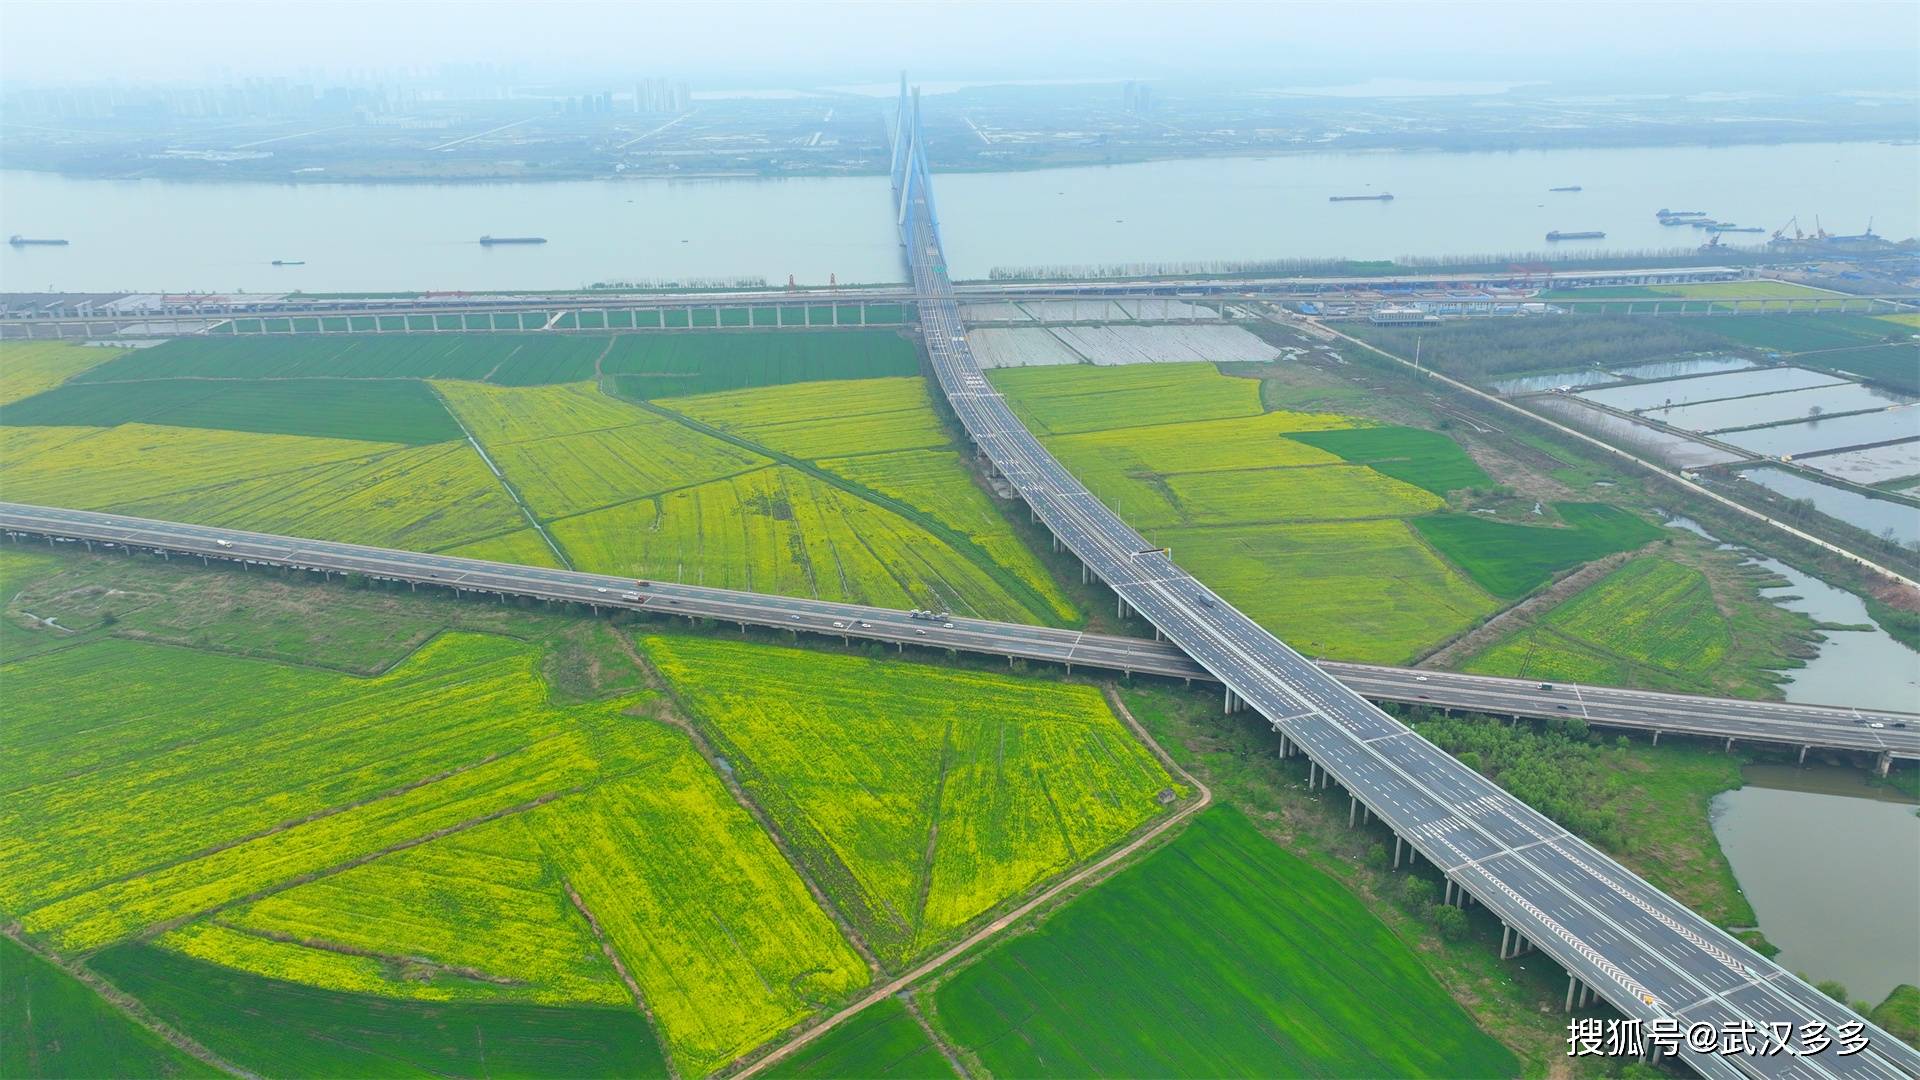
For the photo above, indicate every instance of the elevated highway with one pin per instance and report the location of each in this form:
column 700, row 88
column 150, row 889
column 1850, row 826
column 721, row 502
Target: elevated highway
column 1642, row 951
column 1784, row 723
column 28, row 317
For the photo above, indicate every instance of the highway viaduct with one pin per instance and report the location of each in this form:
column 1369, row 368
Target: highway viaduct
column 1617, row 936
column 1798, row 727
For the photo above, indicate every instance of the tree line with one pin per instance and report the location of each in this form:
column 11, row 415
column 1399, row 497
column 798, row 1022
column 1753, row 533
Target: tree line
column 1476, row 348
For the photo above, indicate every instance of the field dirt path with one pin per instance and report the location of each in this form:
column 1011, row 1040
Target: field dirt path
column 1522, row 614
column 953, row 1060
column 1076, row 878
column 131, row 1008
column 505, row 484
column 677, row 715
column 620, row 968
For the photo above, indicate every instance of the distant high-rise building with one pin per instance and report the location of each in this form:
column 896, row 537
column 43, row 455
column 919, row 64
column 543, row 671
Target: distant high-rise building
column 656, row 96
column 1137, row 97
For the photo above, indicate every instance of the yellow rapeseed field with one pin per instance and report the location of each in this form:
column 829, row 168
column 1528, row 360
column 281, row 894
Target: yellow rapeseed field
column 1353, row 590
column 1133, row 468
column 626, row 490
column 290, row 961
column 1079, row 397
column 91, row 468
column 432, row 833
column 29, row 367
column 523, row 547
column 571, row 474
column 780, row 530
column 1312, row 546
column 420, row 497
column 1311, row 493
column 727, row 944
column 945, row 792
column 497, row 415
column 479, row 914
column 825, row 419
column 569, row 449
column 936, row 483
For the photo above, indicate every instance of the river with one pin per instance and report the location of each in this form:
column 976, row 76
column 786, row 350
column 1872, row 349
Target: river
column 213, row 236
column 1831, row 866
column 1867, row 668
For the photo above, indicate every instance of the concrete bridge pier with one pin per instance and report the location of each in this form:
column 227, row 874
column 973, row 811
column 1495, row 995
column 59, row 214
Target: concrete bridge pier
column 1353, row 810
column 1882, row 763
column 1573, row 985
column 1396, row 850
column 1803, row 754
column 1506, row 937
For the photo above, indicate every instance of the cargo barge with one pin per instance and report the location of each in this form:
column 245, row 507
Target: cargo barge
column 489, row 241
column 1592, row 234
column 1382, row 197
column 289, row 262
column 1570, row 187
column 27, row 241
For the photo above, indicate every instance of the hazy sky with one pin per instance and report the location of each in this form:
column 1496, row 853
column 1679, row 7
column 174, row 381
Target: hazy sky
column 747, row 43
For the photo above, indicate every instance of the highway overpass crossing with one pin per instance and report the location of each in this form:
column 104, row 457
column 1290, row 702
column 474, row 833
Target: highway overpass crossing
column 1645, row 953
column 1789, row 724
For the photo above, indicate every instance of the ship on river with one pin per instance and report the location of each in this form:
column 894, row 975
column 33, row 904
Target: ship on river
column 1591, row 234
column 1382, row 197
column 489, row 241
column 27, row 241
